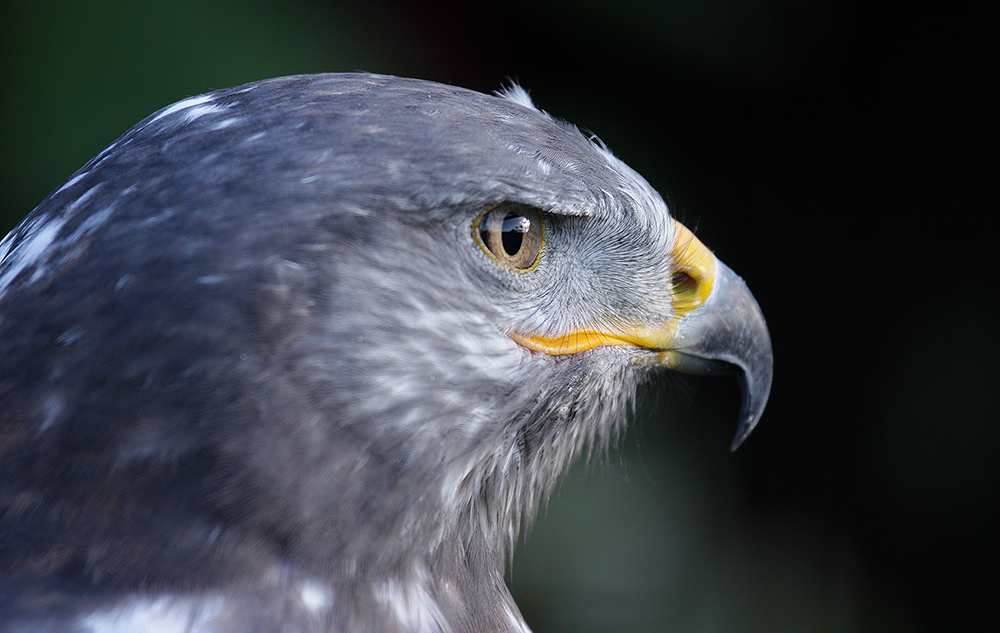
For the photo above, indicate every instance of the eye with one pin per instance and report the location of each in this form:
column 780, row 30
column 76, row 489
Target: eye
column 512, row 234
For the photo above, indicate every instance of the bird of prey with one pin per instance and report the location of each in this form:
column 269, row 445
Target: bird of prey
column 305, row 355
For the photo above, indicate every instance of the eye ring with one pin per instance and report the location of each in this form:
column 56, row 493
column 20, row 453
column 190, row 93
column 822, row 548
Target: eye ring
column 512, row 234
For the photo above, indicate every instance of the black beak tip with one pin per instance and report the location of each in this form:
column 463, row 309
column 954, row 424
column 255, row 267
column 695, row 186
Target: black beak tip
column 755, row 394
column 743, row 431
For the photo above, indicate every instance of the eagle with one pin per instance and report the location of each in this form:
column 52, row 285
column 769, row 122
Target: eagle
column 305, row 355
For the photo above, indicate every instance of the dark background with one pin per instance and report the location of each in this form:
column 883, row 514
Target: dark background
column 841, row 157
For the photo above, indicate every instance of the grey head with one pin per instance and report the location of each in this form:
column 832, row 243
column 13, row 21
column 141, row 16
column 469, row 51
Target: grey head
column 306, row 355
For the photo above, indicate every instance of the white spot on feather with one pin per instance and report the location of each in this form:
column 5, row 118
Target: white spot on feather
column 515, row 620
column 315, row 598
column 223, row 124
column 211, row 279
column 160, row 615
column 518, row 95
column 184, row 104
column 40, row 235
column 72, row 181
column 52, row 408
column 76, row 204
column 41, row 239
column 199, row 111
column 411, row 602
column 6, row 244
column 189, row 109
column 90, row 225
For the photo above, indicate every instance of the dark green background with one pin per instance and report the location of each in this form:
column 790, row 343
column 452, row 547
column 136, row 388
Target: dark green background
column 842, row 157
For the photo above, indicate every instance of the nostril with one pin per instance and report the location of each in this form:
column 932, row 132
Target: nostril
column 685, row 286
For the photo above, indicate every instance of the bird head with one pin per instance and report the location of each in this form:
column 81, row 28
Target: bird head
column 350, row 321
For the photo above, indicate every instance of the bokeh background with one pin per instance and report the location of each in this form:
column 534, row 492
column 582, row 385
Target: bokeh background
column 842, row 157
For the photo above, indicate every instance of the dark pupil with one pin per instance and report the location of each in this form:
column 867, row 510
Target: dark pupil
column 512, row 232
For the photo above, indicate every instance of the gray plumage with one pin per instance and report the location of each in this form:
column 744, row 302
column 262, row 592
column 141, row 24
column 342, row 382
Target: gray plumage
column 257, row 373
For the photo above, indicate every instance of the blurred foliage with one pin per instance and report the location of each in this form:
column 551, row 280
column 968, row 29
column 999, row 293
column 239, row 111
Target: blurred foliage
column 78, row 74
column 840, row 156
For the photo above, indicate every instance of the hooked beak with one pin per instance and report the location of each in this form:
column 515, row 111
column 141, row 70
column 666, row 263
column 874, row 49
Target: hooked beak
column 725, row 333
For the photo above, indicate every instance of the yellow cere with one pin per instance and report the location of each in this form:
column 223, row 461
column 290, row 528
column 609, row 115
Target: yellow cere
column 695, row 270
